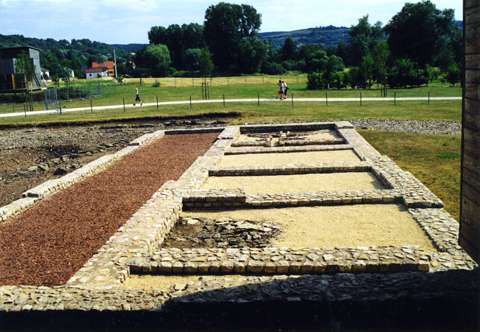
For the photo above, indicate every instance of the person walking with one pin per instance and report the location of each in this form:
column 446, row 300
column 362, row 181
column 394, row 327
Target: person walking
column 285, row 90
column 280, row 89
column 137, row 98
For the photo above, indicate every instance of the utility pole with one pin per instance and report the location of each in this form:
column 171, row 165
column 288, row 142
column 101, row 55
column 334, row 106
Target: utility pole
column 115, row 64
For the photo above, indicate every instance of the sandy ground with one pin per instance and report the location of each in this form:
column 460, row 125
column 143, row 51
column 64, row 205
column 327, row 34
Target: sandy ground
column 296, row 183
column 283, row 159
column 336, row 226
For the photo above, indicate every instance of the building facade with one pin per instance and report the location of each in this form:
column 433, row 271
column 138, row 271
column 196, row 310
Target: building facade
column 12, row 72
column 100, row 69
column 470, row 201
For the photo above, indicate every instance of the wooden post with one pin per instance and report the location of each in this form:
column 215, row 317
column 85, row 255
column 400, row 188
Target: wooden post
column 428, row 98
column 395, row 98
column 223, row 96
column 361, row 102
column 292, row 101
column 258, row 98
column 91, row 105
column 156, row 98
column 124, row 104
column 190, row 103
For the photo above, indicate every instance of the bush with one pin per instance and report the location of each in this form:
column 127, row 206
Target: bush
column 339, row 80
column 316, row 81
column 156, row 84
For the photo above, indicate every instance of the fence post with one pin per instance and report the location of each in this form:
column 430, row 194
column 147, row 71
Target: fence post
column 258, row 98
column 223, row 97
column 123, row 103
column 190, row 103
column 428, row 97
column 361, row 101
column 292, row 101
column 395, row 98
column 156, row 98
column 91, row 105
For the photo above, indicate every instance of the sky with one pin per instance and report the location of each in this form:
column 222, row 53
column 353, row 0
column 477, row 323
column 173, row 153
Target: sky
column 128, row 21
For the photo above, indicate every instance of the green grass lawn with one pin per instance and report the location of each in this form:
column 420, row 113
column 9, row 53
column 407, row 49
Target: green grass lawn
column 234, row 87
column 272, row 112
column 434, row 160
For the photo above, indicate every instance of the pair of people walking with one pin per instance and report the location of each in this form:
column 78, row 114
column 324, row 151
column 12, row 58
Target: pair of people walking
column 282, row 89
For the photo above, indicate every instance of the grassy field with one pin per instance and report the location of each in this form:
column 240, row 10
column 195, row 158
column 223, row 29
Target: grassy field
column 271, row 112
column 233, row 87
column 434, row 160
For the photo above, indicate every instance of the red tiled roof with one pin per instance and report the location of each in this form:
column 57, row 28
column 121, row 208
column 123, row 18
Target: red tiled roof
column 106, row 64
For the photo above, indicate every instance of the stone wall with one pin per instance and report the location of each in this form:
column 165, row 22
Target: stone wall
column 470, row 222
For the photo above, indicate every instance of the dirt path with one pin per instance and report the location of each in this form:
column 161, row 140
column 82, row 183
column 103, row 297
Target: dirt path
column 47, row 244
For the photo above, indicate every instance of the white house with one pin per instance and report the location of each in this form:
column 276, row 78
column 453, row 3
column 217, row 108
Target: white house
column 96, row 73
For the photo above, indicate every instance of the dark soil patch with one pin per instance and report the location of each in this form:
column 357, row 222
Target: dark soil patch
column 48, row 243
column 222, row 233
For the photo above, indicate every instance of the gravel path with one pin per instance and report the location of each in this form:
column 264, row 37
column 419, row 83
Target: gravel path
column 48, row 243
column 432, row 127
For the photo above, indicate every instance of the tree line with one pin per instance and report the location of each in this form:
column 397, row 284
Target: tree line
column 419, row 44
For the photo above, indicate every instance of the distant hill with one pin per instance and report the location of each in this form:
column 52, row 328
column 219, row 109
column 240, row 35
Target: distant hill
column 129, row 48
column 329, row 36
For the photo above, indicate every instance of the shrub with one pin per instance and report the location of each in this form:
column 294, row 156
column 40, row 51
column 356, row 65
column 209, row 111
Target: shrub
column 316, row 81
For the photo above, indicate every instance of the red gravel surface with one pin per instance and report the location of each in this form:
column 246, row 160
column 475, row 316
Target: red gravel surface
column 48, row 243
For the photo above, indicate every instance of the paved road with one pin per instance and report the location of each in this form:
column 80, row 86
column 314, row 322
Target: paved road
column 219, row 101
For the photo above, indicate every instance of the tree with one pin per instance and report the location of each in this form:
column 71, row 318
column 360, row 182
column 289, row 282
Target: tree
column 252, row 54
column 418, row 32
column 225, row 26
column 205, row 62
column 154, row 59
column 380, row 55
column 315, row 58
column 178, row 39
column 288, row 50
column 405, row 72
column 192, row 59
column 363, row 39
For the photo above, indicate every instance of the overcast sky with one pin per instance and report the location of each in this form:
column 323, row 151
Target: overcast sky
column 128, row 21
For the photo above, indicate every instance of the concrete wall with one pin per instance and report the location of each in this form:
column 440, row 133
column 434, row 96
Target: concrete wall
column 470, row 217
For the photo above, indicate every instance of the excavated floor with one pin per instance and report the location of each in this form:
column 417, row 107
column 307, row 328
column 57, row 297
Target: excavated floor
column 284, row 159
column 279, row 184
column 331, row 227
column 319, row 135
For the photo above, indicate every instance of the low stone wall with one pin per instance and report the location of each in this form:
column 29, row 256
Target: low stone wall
column 293, row 169
column 282, row 261
column 287, row 149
